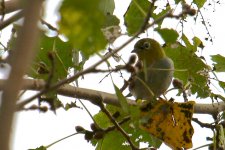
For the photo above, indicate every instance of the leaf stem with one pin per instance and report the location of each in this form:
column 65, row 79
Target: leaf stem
column 61, row 140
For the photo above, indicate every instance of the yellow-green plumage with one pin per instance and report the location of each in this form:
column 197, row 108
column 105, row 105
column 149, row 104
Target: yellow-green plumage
column 156, row 74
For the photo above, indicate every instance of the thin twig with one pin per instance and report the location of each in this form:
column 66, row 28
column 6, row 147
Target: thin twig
column 51, row 57
column 61, row 140
column 118, row 68
column 125, row 119
column 149, row 13
column 11, row 6
column 49, row 25
column 116, row 124
column 204, row 23
column 206, row 145
column 3, row 9
column 12, row 19
column 203, row 125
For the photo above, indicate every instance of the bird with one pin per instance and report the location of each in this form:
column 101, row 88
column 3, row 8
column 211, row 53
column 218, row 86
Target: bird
column 154, row 71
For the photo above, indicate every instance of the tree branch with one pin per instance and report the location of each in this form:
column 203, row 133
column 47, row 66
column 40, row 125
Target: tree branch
column 116, row 124
column 11, row 6
column 21, row 58
column 93, row 96
column 10, row 20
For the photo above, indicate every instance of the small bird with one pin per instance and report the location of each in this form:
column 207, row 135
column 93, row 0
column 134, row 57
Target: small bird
column 154, row 70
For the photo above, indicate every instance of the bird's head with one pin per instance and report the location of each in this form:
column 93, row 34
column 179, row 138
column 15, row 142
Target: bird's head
column 148, row 50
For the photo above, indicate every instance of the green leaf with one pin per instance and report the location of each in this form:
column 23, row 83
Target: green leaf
column 61, row 53
column 51, row 99
column 51, row 64
column 131, row 127
column 81, row 22
column 168, row 35
column 113, row 141
column 184, row 58
column 222, row 85
column 135, row 15
column 197, row 43
column 199, row 3
column 186, row 41
column 122, row 99
column 219, row 62
column 40, row 148
column 107, row 6
column 160, row 14
column 177, row 1
column 111, row 20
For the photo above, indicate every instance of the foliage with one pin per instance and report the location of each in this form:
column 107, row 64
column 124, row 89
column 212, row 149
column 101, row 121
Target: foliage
column 53, row 54
column 185, row 59
column 136, row 12
column 90, row 27
column 131, row 127
column 170, row 122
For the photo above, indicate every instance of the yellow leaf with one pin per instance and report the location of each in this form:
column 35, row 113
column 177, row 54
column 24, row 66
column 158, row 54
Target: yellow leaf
column 170, row 122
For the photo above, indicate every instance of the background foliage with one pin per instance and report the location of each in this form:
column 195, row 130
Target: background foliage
column 88, row 28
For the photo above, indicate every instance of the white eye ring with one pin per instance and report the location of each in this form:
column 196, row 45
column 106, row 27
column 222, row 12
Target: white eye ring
column 146, row 45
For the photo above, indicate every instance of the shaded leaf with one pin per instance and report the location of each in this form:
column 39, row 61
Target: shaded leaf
column 219, row 62
column 168, row 35
column 52, row 100
column 177, row 1
column 191, row 65
column 111, row 20
column 107, row 6
column 71, row 105
column 112, row 141
column 186, row 41
column 81, row 23
column 222, row 84
column 135, row 15
column 131, row 127
column 122, row 99
column 62, row 59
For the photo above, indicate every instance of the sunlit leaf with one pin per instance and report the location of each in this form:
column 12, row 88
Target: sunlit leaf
column 170, row 122
column 197, row 43
column 81, row 23
column 199, row 3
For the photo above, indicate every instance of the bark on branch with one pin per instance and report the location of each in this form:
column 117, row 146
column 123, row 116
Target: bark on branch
column 20, row 61
column 10, row 6
column 93, row 96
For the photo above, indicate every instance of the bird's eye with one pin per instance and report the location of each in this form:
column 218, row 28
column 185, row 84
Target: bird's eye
column 146, row 45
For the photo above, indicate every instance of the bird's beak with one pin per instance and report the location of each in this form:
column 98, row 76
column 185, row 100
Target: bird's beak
column 134, row 51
